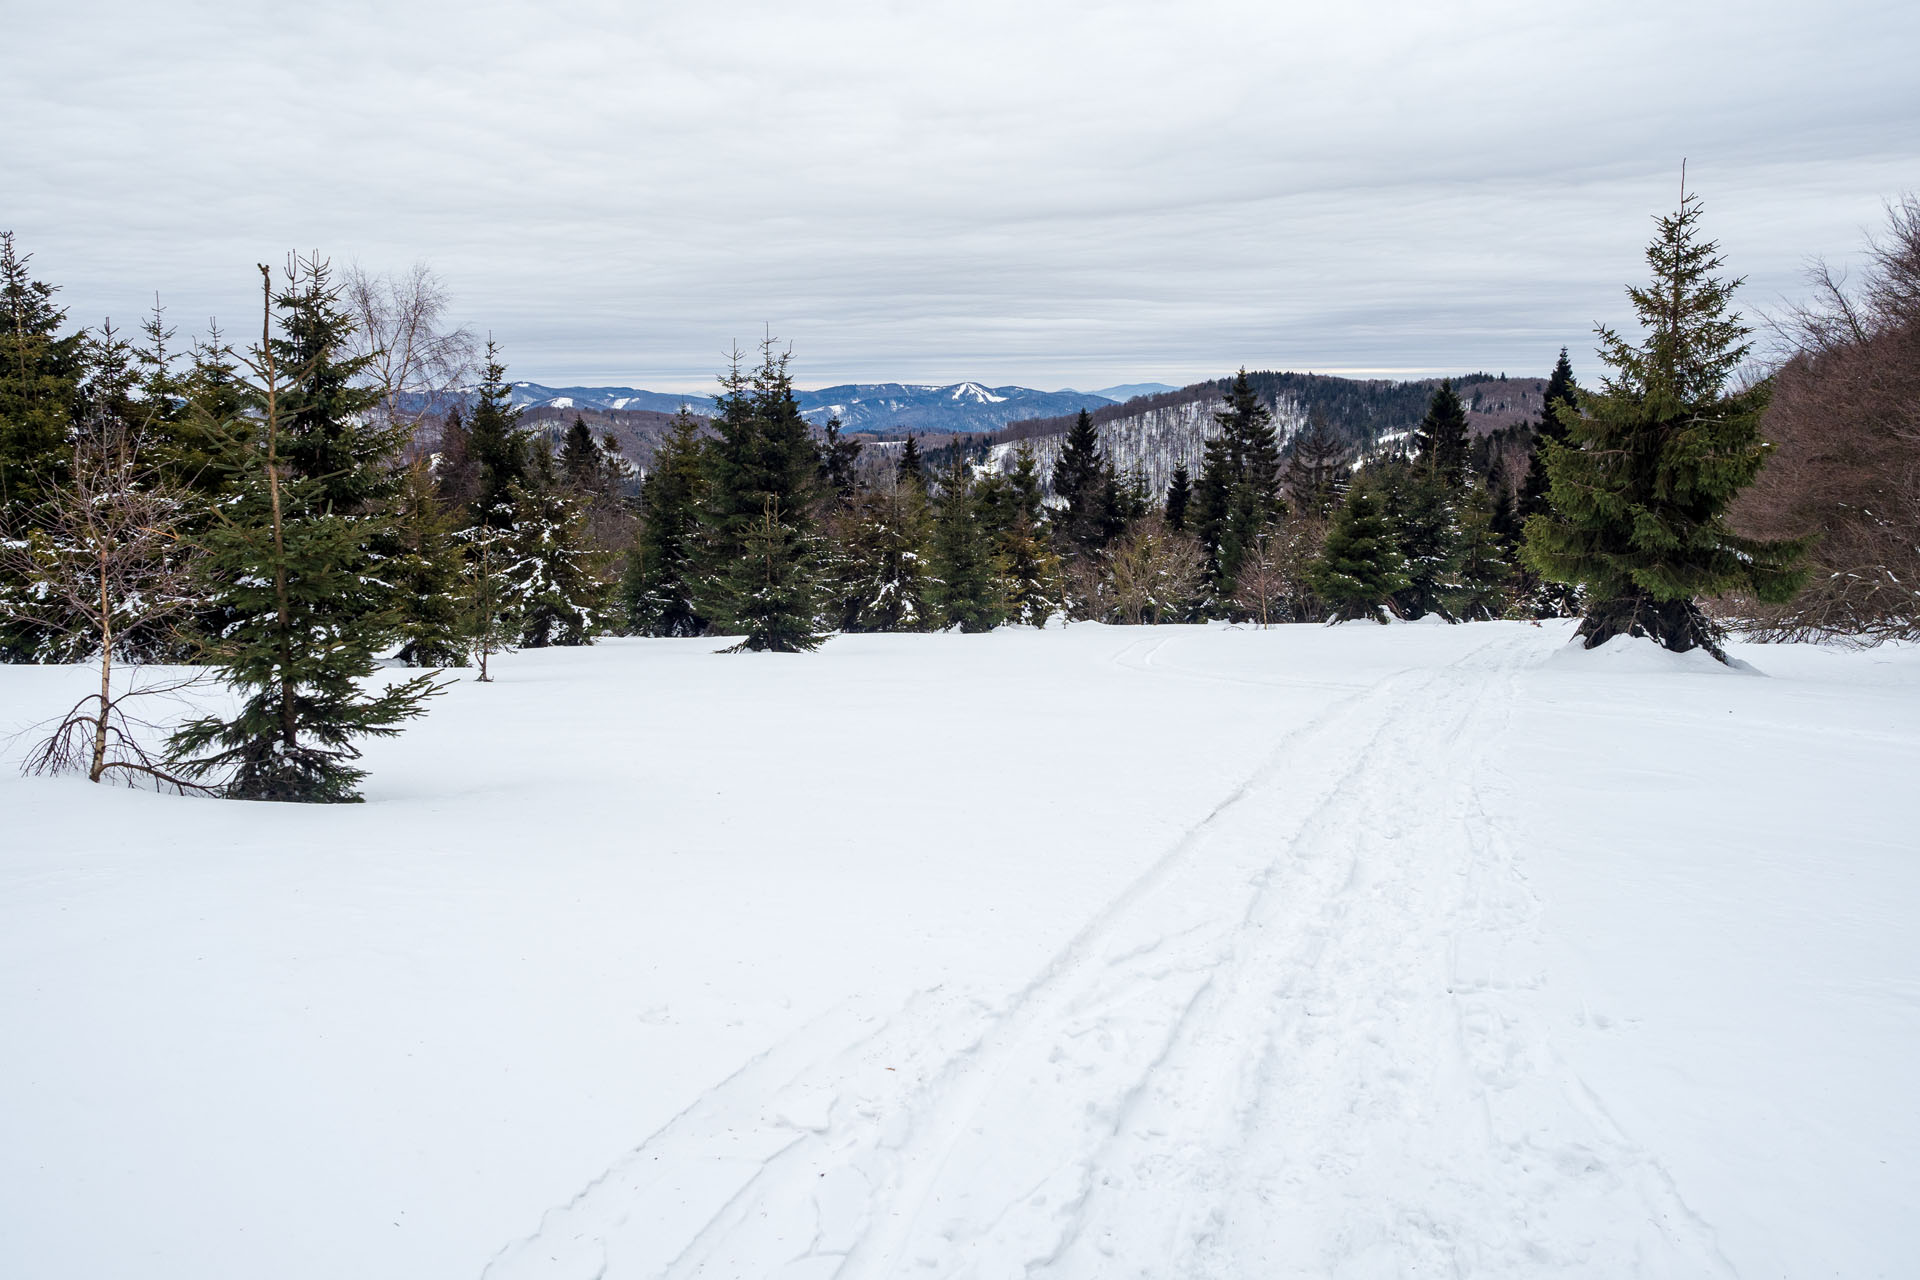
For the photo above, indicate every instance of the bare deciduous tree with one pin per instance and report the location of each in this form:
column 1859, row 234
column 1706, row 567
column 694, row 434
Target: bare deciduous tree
column 106, row 568
column 1845, row 420
column 400, row 328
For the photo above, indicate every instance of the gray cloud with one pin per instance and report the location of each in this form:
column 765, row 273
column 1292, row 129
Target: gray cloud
column 1044, row 194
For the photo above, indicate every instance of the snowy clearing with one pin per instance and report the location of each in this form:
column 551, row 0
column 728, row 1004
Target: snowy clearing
column 1357, row 951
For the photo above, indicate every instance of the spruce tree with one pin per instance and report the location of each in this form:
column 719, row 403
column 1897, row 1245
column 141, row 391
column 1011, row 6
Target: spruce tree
column 1562, row 396
column 912, row 468
column 1179, row 494
column 1084, row 483
column 1639, row 492
column 499, row 448
column 1314, row 479
column 425, row 572
column 40, row 373
column 969, row 576
column 1239, row 491
column 580, row 461
column 839, row 463
column 1015, row 515
column 759, row 547
column 293, row 568
column 1359, row 569
column 1419, row 505
column 658, row 588
column 456, row 472
column 884, row 578
column 1441, row 439
column 1482, row 582
column 553, row 586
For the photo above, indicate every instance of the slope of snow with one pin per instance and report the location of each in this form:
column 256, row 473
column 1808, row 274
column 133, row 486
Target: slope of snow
column 1346, row 951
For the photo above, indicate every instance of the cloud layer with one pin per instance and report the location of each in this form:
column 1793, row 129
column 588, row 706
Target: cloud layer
column 1032, row 193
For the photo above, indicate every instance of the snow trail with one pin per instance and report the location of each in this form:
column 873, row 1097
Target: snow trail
column 1296, row 1045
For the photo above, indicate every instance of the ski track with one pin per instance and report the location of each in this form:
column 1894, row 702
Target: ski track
column 1297, row 1045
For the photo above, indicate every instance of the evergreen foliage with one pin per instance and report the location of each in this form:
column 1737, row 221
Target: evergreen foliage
column 759, row 547
column 969, row 575
column 1483, row 575
column 657, row 590
column 1179, row 495
column 497, row 446
column 1441, row 439
column 912, row 469
column 1239, row 491
column 553, row 587
column 1360, row 568
column 425, row 571
column 883, row 576
column 1640, row 489
column 40, row 373
column 1419, row 504
column 293, row 571
column 1087, row 488
column 1014, row 513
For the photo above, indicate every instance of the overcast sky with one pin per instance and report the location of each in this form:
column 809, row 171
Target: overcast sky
column 1033, row 193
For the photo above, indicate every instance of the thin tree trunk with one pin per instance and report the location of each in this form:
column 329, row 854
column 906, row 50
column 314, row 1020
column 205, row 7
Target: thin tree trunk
column 99, row 764
column 287, row 721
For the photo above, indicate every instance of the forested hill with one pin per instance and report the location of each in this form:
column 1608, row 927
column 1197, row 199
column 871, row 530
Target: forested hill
column 1151, row 435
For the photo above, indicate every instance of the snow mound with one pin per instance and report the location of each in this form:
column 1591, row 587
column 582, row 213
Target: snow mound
column 1637, row 655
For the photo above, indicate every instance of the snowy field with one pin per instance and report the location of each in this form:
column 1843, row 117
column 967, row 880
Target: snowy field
column 1366, row 951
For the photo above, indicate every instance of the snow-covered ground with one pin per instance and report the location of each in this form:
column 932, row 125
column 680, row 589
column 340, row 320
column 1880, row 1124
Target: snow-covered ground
column 1362, row 951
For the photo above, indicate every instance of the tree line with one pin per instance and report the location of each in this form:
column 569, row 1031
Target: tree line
column 268, row 509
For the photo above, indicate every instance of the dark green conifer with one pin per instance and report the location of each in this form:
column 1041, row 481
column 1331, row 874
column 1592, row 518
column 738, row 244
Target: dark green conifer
column 1441, row 440
column 553, row 584
column 1639, row 492
column 759, row 549
column 1179, row 495
column 1359, row 569
column 658, row 588
column 40, row 373
column 580, row 461
column 425, row 573
column 883, row 576
column 292, row 567
column 969, row 577
column 1239, row 493
column 912, row 468
column 1419, row 505
column 499, row 447
column 1087, row 488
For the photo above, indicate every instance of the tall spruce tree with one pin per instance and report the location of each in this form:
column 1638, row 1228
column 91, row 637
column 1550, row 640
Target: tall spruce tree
column 1238, row 495
column 40, row 374
column 658, row 588
column 883, row 576
column 1015, row 515
column 499, row 448
column 969, row 586
column 425, row 573
column 1359, row 569
column 759, row 548
column 1639, row 491
column 554, row 590
column 293, row 569
column 1419, row 505
column 1179, row 495
column 1084, row 483
column 1441, row 439
column 1562, row 397
column 912, row 467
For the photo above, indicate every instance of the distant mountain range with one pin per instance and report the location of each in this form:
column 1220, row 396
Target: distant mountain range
column 879, row 407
